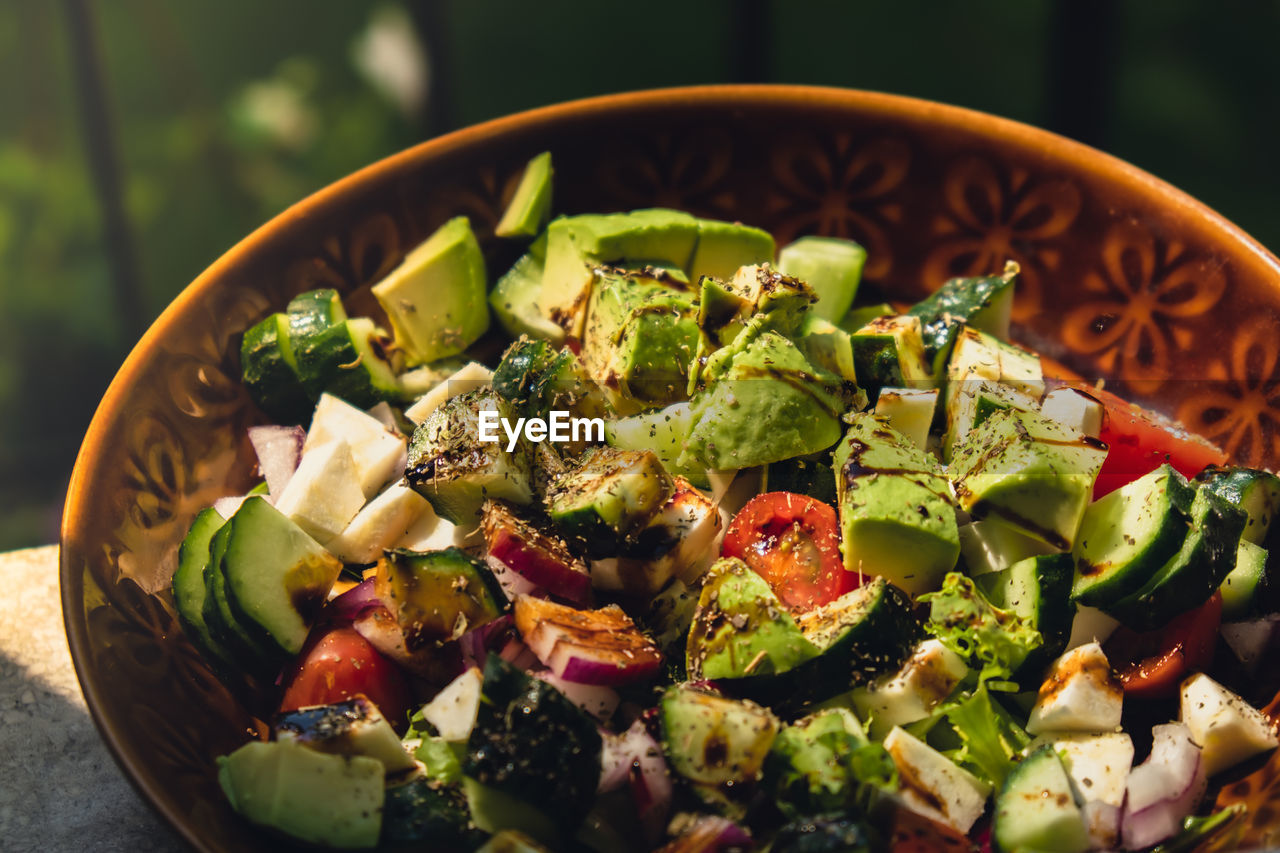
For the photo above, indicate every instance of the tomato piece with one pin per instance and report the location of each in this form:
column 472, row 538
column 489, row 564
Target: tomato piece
column 339, row 664
column 1152, row 664
column 1139, row 442
column 793, row 542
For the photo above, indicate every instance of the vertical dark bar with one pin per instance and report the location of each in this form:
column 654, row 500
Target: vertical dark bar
column 751, row 46
column 431, row 22
column 1083, row 36
column 104, row 166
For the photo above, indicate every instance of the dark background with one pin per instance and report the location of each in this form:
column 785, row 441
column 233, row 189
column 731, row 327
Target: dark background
column 139, row 139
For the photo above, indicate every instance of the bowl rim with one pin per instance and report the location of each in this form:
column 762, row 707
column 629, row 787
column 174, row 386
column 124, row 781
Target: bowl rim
column 1077, row 156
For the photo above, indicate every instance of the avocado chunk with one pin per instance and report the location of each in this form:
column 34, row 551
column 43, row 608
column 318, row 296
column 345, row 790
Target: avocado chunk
column 437, row 596
column 896, row 515
column 763, row 402
column 1028, row 471
column 723, row 247
column 662, row 431
column 984, row 303
column 530, row 206
column 758, row 295
column 436, row 298
column 712, row 740
column 456, row 470
column 353, row 726
column 515, row 298
column 640, row 336
column 329, row 800
column 578, row 244
column 979, row 357
column 740, row 628
column 827, row 346
column 831, row 266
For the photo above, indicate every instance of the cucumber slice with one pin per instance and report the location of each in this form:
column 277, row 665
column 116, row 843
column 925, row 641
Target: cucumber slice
column 608, row 496
column 277, row 577
column 530, row 208
column 1192, row 574
column 1128, row 534
column 347, row 358
column 1254, row 491
column 1243, row 583
column 270, row 371
column 248, row 650
column 190, row 590
column 1039, row 590
column 1036, row 809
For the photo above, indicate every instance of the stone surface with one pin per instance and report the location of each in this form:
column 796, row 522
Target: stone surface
column 60, row 789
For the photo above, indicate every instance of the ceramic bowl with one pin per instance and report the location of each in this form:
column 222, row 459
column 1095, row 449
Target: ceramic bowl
column 1124, row 278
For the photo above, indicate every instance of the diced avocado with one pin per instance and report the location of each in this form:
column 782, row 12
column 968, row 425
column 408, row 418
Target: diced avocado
column 816, row 764
column 740, row 628
column 1029, row 471
column 827, row 346
column 982, row 302
column 534, row 745
column 756, row 294
column 421, row 814
column 436, row 298
column 1128, row 534
column 1255, row 491
column 277, row 577
column 189, row 588
column 662, row 431
column 861, row 315
column 889, row 351
column 1192, row 574
column 1036, row 808
column 508, row 817
column 640, row 336
column 515, row 298
column 530, row 206
column 437, row 596
column 896, row 516
column 712, row 740
column 990, row 545
column 1039, row 590
column 608, row 496
column 453, row 468
column 327, row 800
column 270, row 372
column 763, row 402
column 860, row 635
column 831, row 266
column 1241, row 586
column 723, row 247
column 353, row 726
column 578, row 244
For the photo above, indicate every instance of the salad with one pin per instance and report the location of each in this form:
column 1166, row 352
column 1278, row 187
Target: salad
column 718, row 556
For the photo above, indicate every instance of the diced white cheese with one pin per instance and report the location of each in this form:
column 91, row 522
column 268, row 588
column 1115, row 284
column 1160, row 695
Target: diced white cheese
column 1091, row 625
column 934, row 785
column 378, row 453
column 324, row 494
column 1079, row 694
column 453, row 710
column 1074, row 409
column 1098, row 764
column 383, row 522
column 990, row 545
column 428, row 533
column 909, row 411
column 978, row 356
column 910, row 694
column 1228, row 728
column 469, row 377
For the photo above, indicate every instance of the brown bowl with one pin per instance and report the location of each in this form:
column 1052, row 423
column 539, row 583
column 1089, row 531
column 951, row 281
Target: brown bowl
column 1124, row 277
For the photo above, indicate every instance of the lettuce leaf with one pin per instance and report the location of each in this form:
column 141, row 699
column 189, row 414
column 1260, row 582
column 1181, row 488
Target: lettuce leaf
column 993, row 641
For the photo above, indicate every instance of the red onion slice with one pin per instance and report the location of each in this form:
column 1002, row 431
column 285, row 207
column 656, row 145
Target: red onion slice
column 534, row 554
column 279, row 450
column 354, row 602
column 1164, row 789
column 600, row 646
column 635, row 759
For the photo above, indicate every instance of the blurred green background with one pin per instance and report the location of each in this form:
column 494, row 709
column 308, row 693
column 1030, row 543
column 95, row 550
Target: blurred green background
column 139, row 139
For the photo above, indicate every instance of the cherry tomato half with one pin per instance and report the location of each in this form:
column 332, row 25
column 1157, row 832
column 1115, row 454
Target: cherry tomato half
column 1139, row 442
column 793, row 542
column 1152, row 664
column 340, row 664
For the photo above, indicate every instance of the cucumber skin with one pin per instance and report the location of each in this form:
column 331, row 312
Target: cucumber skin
column 269, row 373
column 193, row 559
column 218, row 616
column 1000, row 842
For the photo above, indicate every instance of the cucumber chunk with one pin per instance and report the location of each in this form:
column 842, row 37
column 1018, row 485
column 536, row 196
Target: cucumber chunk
column 190, row 590
column 1036, row 809
column 270, row 371
column 1038, row 589
column 247, row 648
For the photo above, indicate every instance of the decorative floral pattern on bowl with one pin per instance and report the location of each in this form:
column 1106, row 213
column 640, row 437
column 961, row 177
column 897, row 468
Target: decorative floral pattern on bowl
column 1126, row 279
